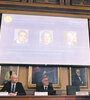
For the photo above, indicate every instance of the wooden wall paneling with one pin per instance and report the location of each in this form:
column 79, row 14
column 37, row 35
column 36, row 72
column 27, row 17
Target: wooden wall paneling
column 24, row 0
column 62, row 2
column 11, row 0
column 67, row 2
column 64, row 78
column 23, row 76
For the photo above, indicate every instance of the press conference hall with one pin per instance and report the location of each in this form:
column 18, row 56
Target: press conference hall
column 44, row 49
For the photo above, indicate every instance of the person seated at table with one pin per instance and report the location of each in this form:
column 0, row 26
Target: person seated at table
column 45, row 86
column 13, row 87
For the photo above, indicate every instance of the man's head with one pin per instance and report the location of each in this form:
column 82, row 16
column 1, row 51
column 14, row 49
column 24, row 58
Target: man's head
column 10, row 68
column 45, row 81
column 78, row 72
column 46, row 37
column 71, row 37
column 22, row 36
column 14, row 78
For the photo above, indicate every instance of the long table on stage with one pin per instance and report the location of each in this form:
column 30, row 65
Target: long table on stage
column 53, row 97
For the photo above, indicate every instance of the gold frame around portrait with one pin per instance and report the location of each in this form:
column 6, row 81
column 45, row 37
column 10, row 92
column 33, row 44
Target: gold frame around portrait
column 30, row 85
column 87, row 78
column 7, row 65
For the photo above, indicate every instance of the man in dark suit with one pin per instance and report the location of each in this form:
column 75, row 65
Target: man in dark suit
column 77, row 80
column 45, row 86
column 13, row 87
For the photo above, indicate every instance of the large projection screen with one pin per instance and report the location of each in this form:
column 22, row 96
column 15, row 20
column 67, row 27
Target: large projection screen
column 35, row 39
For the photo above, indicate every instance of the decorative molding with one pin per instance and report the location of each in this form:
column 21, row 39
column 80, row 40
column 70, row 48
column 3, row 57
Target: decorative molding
column 44, row 8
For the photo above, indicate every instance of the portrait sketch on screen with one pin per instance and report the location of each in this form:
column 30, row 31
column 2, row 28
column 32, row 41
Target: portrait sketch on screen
column 70, row 38
column 79, row 76
column 46, row 37
column 6, row 71
column 36, row 73
column 21, row 36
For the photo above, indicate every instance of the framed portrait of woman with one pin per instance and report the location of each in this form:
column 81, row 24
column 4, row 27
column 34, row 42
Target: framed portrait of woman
column 6, row 71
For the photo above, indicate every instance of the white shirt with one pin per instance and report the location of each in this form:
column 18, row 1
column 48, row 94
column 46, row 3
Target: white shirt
column 12, row 86
column 45, row 87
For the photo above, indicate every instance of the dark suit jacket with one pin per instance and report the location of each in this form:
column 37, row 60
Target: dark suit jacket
column 19, row 88
column 76, row 81
column 40, row 88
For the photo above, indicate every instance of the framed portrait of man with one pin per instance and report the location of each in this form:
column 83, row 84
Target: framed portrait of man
column 36, row 73
column 6, row 71
column 79, row 76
